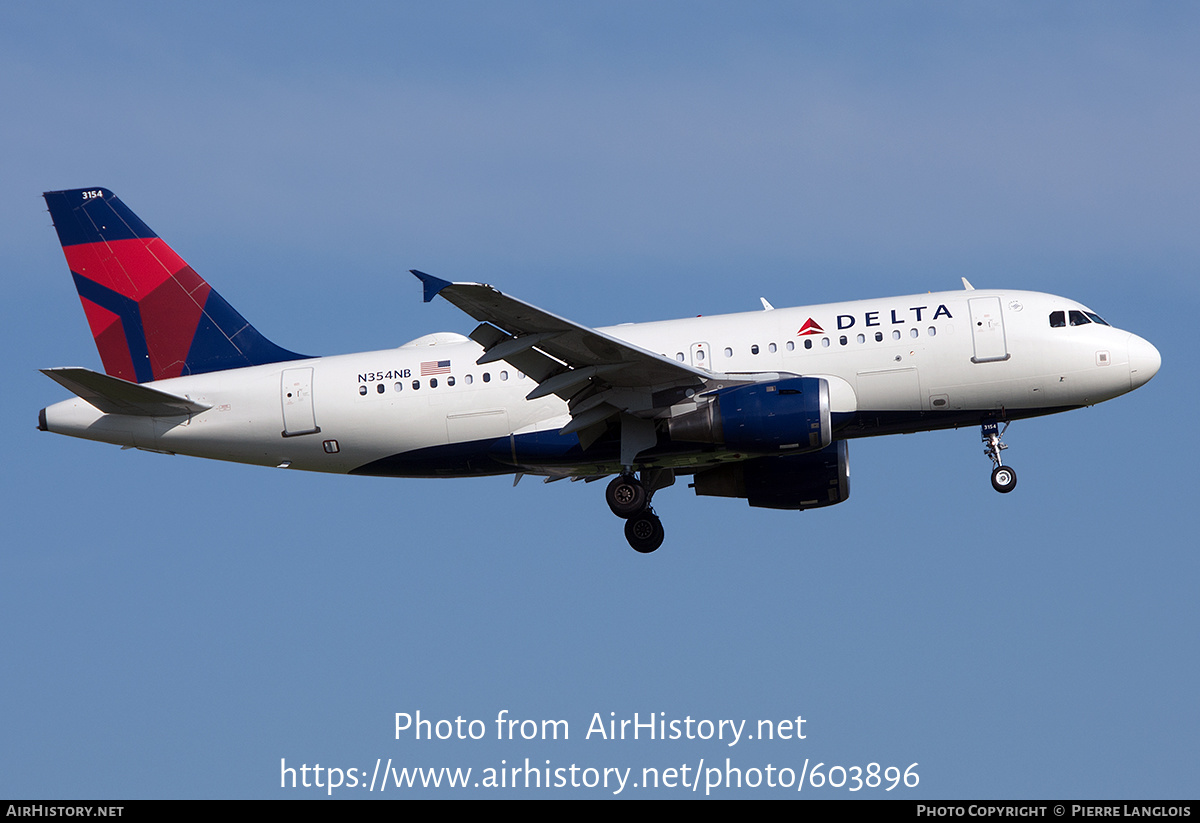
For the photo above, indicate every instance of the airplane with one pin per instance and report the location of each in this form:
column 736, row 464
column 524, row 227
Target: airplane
column 758, row 405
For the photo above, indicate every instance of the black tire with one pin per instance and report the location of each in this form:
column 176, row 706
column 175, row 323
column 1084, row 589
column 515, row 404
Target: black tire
column 1004, row 479
column 626, row 496
column 644, row 532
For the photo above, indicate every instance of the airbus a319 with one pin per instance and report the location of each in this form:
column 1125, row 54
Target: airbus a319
column 758, row 405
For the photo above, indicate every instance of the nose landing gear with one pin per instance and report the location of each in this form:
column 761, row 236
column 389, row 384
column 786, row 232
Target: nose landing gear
column 1004, row 479
column 629, row 499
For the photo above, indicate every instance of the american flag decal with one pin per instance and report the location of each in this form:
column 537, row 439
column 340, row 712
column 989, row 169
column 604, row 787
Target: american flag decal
column 430, row 367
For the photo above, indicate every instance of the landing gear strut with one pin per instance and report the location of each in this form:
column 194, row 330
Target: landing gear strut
column 1004, row 479
column 629, row 499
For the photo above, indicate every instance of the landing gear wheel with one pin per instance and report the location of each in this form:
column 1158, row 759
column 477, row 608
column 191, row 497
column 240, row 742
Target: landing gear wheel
column 626, row 496
column 1004, row 479
column 644, row 532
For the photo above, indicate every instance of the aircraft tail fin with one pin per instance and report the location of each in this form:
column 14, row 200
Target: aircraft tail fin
column 151, row 315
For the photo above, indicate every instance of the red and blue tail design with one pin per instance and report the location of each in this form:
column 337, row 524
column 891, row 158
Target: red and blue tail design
column 152, row 316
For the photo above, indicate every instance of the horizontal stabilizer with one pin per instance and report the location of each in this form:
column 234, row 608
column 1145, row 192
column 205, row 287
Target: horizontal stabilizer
column 112, row 395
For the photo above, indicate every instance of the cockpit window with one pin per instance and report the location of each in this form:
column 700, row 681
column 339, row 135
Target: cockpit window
column 1058, row 319
column 1078, row 318
column 1095, row 318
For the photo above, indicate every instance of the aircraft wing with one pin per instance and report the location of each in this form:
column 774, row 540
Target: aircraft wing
column 599, row 375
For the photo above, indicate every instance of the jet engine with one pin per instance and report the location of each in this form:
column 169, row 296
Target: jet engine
column 763, row 418
column 803, row 481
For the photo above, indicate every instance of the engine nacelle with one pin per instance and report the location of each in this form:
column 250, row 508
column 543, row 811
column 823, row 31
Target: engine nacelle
column 762, row 418
column 804, row 481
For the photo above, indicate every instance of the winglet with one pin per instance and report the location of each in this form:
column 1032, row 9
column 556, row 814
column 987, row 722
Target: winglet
column 967, row 285
column 433, row 285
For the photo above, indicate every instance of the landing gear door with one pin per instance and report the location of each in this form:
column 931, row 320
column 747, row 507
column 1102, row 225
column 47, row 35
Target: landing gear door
column 987, row 330
column 701, row 356
column 296, row 394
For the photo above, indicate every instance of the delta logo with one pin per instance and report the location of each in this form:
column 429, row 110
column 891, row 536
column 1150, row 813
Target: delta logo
column 915, row 314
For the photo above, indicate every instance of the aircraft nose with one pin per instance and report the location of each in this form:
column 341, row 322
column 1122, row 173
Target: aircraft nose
column 1144, row 361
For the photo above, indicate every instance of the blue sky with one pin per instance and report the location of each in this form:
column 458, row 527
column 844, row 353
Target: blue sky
column 175, row 627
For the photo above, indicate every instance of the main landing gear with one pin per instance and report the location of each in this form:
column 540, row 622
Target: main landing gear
column 1004, row 479
column 629, row 499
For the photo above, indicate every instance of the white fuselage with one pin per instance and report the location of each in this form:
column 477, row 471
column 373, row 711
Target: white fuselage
column 893, row 364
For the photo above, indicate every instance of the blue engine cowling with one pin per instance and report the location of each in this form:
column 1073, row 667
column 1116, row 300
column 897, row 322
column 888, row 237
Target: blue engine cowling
column 763, row 418
column 802, row 481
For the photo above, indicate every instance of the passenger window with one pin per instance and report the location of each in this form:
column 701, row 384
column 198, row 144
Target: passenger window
column 469, row 379
column 932, row 331
column 842, row 339
column 912, row 332
column 824, row 342
column 679, row 356
column 754, row 349
column 416, row 385
column 771, row 348
column 449, row 381
column 878, row 337
column 504, row 375
column 362, row 389
column 487, row 377
column 433, row 382
column 380, row 389
column 728, row 352
column 399, row 387
column 808, row 342
column 1058, row 319
column 791, row 345
column 862, row 338
column 895, row 334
